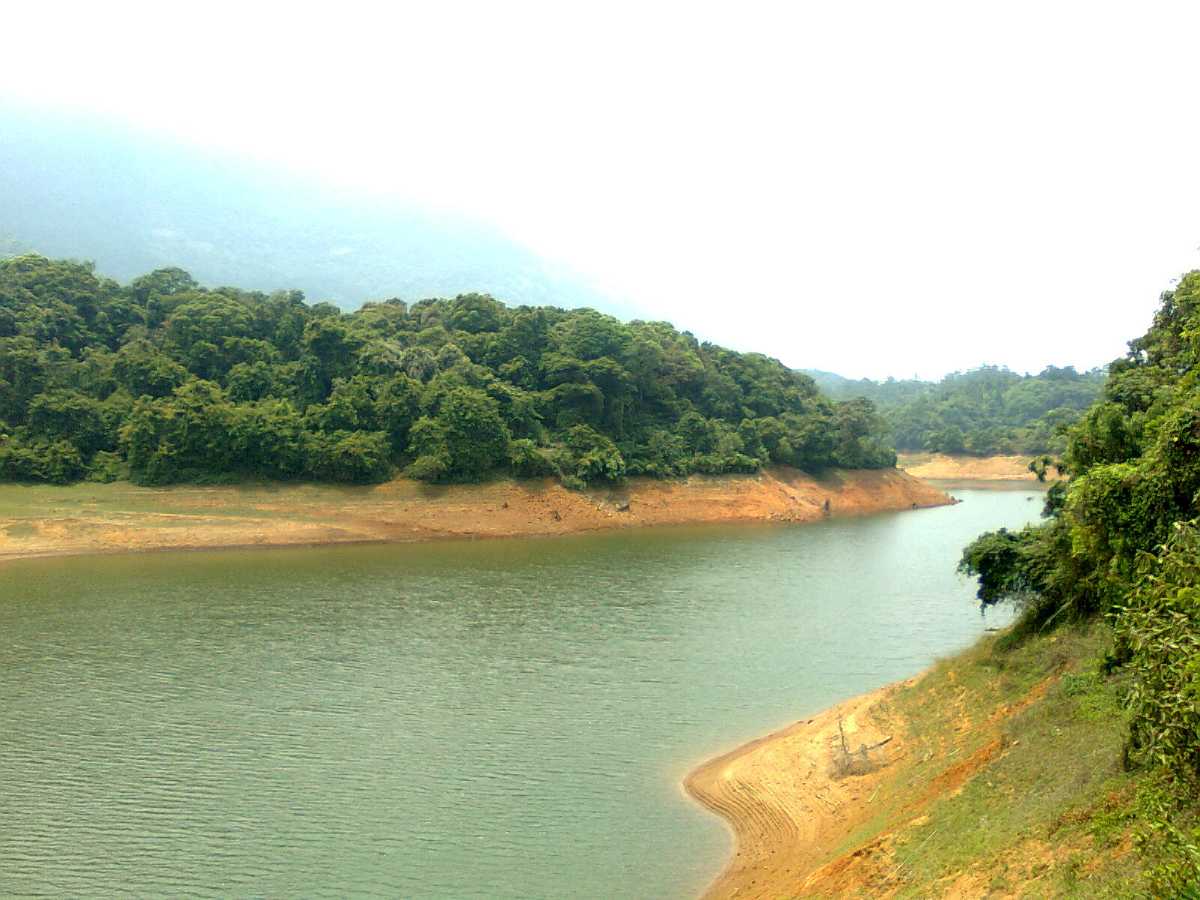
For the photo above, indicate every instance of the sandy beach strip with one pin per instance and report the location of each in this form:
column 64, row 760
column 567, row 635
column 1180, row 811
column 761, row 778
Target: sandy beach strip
column 43, row 520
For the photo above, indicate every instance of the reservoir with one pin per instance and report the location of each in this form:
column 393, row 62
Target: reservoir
column 505, row 718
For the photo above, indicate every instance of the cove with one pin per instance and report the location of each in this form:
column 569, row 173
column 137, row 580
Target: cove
column 506, row 718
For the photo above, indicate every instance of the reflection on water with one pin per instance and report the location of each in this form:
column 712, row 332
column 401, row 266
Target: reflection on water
column 499, row 718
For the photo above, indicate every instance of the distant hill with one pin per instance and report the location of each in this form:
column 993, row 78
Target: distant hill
column 132, row 203
column 881, row 393
column 983, row 411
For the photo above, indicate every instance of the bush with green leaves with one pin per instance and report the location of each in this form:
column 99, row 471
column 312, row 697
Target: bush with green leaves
column 57, row 462
column 1122, row 540
column 1159, row 627
column 593, row 457
column 357, row 457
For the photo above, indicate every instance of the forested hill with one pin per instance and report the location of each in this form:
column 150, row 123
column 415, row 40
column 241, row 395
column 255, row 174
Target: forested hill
column 163, row 380
column 984, row 411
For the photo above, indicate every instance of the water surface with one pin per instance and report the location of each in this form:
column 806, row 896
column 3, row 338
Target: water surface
column 498, row 718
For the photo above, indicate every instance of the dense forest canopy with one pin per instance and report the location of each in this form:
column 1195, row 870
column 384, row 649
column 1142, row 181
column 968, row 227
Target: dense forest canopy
column 984, row 411
column 1122, row 541
column 163, row 380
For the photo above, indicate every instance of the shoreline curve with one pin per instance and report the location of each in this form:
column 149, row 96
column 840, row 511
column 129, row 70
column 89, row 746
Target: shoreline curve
column 787, row 805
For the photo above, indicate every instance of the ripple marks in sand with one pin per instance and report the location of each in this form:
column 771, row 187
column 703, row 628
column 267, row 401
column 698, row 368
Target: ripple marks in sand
column 787, row 808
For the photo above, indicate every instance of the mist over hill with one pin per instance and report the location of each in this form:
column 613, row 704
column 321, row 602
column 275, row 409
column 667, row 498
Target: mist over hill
column 132, row 203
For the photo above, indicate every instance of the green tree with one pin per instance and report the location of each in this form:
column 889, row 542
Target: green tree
column 143, row 370
column 70, row 416
column 467, row 437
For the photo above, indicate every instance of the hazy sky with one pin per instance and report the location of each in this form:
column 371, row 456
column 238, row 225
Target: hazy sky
column 870, row 188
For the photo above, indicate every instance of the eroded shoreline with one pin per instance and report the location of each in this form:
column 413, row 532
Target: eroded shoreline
column 38, row 521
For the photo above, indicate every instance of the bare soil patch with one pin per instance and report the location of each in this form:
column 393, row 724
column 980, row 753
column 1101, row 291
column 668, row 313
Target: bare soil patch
column 960, row 467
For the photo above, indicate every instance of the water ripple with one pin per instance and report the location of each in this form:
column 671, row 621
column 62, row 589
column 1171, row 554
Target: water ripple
column 499, row 719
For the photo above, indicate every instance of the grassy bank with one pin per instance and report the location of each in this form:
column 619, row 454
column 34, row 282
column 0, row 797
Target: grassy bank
column 1011, row 782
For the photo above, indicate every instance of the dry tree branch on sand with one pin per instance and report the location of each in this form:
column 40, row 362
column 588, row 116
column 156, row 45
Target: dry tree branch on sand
column 847, row 762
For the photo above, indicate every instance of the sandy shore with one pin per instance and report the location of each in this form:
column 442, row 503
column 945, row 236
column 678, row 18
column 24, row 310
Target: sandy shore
column 90, row 518
column 790, row 797
column 963, row 468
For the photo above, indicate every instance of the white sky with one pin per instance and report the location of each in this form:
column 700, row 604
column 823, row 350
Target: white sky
column 870, row 188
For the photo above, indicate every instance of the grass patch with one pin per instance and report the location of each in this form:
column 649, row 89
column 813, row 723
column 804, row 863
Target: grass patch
column 1012, row 780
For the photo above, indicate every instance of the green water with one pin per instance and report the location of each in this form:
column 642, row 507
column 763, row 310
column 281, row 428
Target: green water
column 496, row 718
